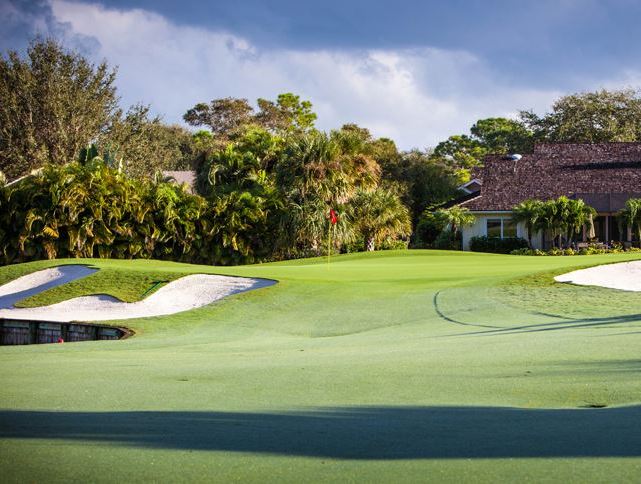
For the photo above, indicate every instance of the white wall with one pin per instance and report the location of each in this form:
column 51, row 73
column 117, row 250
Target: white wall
column 479, row 228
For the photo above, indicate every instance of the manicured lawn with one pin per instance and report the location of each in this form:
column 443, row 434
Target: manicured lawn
column 387, row 367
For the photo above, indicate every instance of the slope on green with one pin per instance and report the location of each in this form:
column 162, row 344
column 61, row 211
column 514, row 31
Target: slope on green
column 392, row 366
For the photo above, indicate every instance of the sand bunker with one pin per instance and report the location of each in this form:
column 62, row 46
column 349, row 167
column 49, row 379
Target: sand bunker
column 40, row 281
column 183, row 294
column 625, row 276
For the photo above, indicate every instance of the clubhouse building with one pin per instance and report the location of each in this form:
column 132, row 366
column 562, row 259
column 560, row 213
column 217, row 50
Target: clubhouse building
column 603, row 175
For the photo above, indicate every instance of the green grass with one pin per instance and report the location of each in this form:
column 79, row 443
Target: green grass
column 392, row 366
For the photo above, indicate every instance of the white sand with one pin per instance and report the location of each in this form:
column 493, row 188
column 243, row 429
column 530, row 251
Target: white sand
column 625, row 276
column 183, row 294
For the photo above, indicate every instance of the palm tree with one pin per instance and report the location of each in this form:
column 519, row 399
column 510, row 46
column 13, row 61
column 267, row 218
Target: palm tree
column 564, row 209
column 379, row 215
column 527, row 212
column 578, row 214
column 631, row 215
column 547, row 219
column 457, row 217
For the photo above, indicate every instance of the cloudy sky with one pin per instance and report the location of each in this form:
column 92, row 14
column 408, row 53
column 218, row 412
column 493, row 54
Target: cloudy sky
column 414, row 70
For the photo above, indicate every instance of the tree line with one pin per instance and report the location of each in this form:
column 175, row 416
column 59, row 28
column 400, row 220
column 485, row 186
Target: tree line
column 266, row 176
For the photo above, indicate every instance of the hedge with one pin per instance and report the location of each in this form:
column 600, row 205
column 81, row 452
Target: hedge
column 497, row 245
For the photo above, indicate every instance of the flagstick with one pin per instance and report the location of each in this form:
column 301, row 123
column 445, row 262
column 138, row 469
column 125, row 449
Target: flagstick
column 329, row 242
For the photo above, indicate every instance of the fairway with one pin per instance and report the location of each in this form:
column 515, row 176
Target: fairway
column 384, row 367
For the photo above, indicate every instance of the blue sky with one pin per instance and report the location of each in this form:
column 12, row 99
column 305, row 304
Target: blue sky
column 416, row 71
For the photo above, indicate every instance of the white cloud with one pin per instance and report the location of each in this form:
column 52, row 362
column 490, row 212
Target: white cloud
column 415, row 96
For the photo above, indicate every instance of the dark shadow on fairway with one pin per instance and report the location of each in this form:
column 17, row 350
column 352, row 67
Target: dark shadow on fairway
column 560, row 325
column 353, row 432
column 442, row 315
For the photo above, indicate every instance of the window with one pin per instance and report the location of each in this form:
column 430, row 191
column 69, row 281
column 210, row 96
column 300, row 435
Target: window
column 501, row 227
column 494, row 227
column 509, row 228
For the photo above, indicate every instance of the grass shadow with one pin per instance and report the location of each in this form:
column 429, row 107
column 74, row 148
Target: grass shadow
column 370, row 433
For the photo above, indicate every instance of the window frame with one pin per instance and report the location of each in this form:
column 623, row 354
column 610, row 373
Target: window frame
column 502, row 229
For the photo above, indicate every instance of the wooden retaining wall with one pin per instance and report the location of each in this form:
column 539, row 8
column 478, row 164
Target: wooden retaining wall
column 23, row 332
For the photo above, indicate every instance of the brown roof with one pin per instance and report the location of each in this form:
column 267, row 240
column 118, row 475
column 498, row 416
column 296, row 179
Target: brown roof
column 604, row 175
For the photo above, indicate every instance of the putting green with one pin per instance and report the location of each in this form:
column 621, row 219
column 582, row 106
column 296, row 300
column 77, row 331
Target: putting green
column 392, row 366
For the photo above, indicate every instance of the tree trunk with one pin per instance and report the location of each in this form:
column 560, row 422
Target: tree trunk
column 369, row 244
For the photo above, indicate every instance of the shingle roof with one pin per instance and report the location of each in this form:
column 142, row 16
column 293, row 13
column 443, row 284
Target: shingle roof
column 604, row 175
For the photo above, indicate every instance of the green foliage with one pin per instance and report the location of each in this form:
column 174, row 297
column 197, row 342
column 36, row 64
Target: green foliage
column 497, row 245
column 563, row 217
column 265, row 197
column 229, row 118
column 631, row 215
column 528, row 212
column 457, row 217
column 592, row 117
column 93, row 210
column 487, row 136
column 319, row 171
column 440, row 228
column 288, row 115
column 591, row 249
column 420, row 180
column 430, row 225
column 146, row 145
column 461, row 151
column 501, row 135
column 52, row 103
column 379, row 216
column 448, row 240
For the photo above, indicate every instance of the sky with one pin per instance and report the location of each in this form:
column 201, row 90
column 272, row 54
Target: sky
column 416, row 71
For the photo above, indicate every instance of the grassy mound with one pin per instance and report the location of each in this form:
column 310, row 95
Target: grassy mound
column 385, row 366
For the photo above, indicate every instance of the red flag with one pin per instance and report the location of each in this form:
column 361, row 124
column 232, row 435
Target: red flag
column 333, row 216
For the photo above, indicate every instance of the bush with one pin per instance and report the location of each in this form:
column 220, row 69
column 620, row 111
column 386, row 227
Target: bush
column 394, row 244
column 497, row 245
column 430, row 226
column 592, row 249
column 446, row 240
column 93, row 210
column 526, row 251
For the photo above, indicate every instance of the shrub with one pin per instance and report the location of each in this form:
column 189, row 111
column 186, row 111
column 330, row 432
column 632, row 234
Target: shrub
column 616, row 246
column 525, row 251
column 447, row 240
column 430, row 226
column 497, row 245
column 592, row 249
column 394, row 244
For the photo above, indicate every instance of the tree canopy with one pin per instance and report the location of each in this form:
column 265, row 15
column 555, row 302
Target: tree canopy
column 266, row 176
column 228, row 118
column 53, row 102
column 590, row 117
